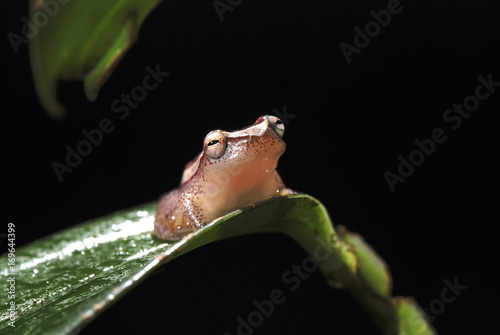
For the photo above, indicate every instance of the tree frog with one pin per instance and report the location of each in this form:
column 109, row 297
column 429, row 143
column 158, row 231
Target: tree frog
column 235, row 169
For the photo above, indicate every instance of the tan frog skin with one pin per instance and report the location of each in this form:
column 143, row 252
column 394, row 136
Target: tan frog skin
column 234, row 170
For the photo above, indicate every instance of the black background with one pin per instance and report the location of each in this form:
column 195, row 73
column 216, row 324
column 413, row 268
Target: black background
column 352, row 122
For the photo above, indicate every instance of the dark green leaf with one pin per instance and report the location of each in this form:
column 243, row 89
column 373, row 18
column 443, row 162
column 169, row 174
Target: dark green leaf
column 64, row 280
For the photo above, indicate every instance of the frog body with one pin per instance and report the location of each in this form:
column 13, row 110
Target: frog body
column 234, row 170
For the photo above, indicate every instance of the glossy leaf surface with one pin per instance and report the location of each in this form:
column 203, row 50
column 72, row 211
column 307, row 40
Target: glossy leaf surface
column 65, row 280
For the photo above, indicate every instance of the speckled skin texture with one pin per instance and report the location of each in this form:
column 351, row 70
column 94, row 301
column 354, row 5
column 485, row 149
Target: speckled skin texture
column 241, row 172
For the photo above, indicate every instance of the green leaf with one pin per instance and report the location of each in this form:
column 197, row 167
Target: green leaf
column 64, row 280
column 412, row 319
column 80, row 39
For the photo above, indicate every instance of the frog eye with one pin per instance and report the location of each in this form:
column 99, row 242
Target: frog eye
column 277, row 125
column 215, row 144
